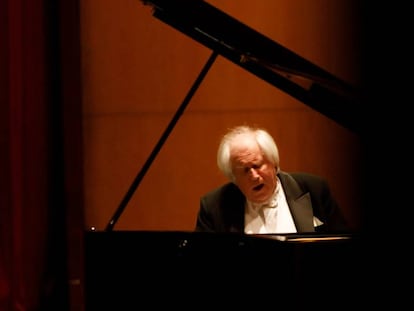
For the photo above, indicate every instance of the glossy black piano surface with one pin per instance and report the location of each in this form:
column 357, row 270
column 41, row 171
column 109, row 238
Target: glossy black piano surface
column 131, row 268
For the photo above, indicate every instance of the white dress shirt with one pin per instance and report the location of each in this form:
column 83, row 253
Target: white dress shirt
column 271, row 217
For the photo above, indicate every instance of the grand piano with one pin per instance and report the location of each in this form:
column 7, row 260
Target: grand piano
column 129, row 270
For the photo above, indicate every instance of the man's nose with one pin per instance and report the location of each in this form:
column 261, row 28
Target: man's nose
column 253, row 173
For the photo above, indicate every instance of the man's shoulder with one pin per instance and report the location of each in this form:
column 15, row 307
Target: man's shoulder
column 225, row 189
column 303, row 177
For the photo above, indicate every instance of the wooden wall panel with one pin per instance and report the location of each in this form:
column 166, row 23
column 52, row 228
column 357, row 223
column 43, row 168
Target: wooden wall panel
column 136, row 72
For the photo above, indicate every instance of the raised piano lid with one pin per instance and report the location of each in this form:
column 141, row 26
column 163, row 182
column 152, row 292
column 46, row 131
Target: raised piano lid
column 263, row 57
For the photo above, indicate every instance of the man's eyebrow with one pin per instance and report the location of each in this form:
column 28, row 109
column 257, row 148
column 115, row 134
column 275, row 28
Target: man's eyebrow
column 241, row 167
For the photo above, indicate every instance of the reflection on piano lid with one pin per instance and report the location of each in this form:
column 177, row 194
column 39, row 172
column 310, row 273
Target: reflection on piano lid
column 308, row 237
column 263, row 57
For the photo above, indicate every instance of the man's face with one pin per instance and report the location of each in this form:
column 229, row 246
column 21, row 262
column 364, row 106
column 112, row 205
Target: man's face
column 254, row 174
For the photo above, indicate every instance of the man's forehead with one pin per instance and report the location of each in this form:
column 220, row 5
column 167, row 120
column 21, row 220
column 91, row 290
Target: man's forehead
column 246, row 159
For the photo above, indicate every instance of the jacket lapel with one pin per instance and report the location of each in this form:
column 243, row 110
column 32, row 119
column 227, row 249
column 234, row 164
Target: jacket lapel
column 299, row 203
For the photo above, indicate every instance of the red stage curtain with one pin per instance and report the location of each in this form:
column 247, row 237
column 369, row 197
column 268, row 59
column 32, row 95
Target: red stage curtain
column 32, row 244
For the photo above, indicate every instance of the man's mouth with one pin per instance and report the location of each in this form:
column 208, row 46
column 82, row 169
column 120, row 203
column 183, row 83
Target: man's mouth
column 258, row 187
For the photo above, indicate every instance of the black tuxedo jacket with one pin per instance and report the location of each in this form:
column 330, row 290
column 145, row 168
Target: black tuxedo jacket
column 308, row 196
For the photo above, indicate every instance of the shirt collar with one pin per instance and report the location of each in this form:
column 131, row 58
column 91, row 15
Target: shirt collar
column 271, row 202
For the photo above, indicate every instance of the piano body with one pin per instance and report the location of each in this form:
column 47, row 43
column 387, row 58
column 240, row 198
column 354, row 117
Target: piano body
column 131, row 269
column 139, row 269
